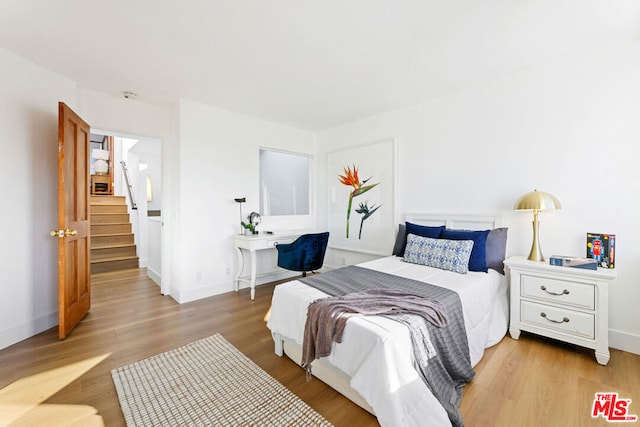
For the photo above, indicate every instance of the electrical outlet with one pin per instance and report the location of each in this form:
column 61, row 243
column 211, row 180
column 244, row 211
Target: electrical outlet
column 228, row 271
column 199, row 275
column 344, row 261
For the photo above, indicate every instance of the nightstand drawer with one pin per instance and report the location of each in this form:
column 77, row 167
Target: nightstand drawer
column 548, row 317
column 558, row 291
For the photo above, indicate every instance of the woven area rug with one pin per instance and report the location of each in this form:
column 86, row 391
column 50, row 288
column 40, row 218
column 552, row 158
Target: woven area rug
column 207, row 382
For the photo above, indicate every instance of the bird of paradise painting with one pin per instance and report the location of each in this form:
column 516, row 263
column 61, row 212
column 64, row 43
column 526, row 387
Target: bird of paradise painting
column 361, row 197
column 351, row 178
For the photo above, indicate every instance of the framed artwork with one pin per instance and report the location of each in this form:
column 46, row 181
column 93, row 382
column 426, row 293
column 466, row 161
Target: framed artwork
column 362, row 197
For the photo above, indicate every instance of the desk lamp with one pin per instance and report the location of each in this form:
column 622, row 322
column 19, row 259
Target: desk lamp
column 240, row 201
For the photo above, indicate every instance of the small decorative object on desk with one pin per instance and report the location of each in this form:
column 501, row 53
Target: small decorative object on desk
column 253, row 221
column 601, row 248
column 568, row 261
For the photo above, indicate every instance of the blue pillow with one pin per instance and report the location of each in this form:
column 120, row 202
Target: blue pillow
column 422, row 231
column 444, row 254
column 401, row 240
column 496, row 249
column 478, row 260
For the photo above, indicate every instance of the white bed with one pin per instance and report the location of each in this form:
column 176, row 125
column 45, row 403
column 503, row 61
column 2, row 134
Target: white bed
column 373, row 364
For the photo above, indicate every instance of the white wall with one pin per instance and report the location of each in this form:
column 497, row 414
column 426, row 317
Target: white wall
column 29, row 98
column 570, row 128
column 154, row 229
column 218, row 161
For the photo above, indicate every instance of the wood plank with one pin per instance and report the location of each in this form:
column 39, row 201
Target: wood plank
column 101, row 241
column 105, row 229
column 105, row 209
column 112, row 251
column 113, row 264
column 107, row 200
column 109, row 218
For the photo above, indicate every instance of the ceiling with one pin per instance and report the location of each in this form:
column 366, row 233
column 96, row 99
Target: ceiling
column 311, row 64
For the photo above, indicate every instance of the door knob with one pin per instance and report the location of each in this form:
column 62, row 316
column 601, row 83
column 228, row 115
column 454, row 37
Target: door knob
column 63, row 233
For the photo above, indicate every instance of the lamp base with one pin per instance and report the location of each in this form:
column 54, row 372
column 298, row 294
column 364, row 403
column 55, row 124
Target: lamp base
column 536, row 252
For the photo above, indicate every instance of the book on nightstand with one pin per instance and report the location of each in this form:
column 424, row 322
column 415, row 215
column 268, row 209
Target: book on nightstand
column 569, row 261
column 601, row 248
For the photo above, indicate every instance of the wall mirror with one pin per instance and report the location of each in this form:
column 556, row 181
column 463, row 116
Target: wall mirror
column 284, row 183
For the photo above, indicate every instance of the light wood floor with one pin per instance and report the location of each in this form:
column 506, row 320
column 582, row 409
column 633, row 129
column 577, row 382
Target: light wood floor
column 44, row 381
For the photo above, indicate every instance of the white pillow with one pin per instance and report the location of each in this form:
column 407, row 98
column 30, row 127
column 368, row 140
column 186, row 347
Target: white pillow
column 444, row 254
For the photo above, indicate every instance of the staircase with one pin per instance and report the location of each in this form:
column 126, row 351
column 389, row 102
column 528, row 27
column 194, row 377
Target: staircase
column 112, row 244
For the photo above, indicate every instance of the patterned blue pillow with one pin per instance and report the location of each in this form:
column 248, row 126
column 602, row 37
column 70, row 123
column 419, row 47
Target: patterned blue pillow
column 478, row 260
column 445, row 254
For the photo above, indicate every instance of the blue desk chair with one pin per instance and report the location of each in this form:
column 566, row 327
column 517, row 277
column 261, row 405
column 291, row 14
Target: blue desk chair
column 306, row 253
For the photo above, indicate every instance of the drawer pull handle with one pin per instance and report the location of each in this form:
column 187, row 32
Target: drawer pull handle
column 564, row 319
column 564, row 292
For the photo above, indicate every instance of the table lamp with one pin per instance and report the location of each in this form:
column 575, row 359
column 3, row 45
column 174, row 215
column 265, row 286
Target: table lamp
column 101, row 156
column 536, row 201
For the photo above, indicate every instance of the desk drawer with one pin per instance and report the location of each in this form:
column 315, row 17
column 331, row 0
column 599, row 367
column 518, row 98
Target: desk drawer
column 562, row 319
column 282, row 241
column 558, row 291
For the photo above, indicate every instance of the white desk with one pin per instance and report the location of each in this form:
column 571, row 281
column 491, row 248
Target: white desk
column 257, row 242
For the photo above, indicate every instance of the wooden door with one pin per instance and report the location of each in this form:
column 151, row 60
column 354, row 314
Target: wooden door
column 74, row 287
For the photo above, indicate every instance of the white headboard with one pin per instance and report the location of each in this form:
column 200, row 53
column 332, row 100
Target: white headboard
column 456, row 221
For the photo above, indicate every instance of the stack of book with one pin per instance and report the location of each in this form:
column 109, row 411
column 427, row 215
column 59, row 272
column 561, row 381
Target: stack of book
column 568, row 261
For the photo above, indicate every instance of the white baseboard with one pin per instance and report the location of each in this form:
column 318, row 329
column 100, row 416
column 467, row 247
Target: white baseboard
column 204, row 291
column 624, row 341
column 210, row 290
column 273, row 276
column 26, row 330
column 154, row 275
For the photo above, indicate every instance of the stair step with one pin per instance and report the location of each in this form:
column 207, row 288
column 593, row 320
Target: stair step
column 102, row 240
column 107, row 200
column 110, row 252
column 109, row 218
column 132, row 272
column 113, row 264
column 112, row 242
column 102, row 229
column 104, row 209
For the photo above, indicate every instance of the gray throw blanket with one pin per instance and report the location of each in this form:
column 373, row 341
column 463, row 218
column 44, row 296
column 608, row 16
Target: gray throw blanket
column 327, row 317
column 444, row 373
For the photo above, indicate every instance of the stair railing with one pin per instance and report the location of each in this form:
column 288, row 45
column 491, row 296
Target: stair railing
column 129, row 187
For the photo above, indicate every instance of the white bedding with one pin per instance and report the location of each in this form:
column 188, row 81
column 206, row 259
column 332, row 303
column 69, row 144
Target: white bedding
column 376, row 352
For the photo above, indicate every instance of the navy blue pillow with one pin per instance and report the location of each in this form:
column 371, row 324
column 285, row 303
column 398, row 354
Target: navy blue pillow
column 478, row 260
column 421, row 230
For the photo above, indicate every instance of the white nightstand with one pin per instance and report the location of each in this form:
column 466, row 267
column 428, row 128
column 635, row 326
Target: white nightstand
column 565, row 303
